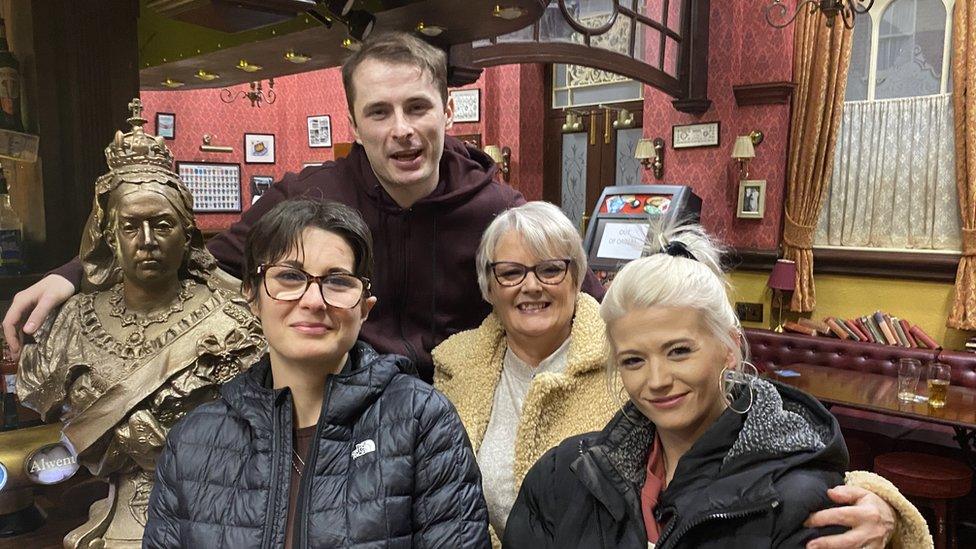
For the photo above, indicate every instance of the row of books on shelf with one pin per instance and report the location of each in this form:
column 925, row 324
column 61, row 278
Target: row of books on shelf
column 879, row 327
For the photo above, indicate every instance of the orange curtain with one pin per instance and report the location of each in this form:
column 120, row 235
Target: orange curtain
column 963, row 314
column 821, row 55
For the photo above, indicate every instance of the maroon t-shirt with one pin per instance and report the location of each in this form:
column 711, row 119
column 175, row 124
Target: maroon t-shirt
column 302, row 440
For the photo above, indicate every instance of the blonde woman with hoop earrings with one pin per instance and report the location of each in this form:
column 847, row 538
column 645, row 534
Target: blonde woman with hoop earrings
column 703, row 454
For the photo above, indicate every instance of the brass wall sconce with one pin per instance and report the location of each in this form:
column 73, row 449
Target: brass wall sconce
column 650, row 152
column 208, row 146
column 574, row 122
column 744, row 150
column 625, row 118
column 503, row 157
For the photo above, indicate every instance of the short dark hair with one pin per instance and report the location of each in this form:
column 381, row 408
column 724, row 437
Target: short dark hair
column 280, row 231
column 397, row 48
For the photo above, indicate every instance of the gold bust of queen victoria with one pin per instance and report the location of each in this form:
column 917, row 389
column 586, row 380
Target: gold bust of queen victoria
column 154, row 332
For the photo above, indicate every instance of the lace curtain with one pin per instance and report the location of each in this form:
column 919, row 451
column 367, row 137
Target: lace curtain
column 893, row 184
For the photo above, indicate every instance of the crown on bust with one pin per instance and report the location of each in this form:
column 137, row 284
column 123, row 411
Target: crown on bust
column 137, row 148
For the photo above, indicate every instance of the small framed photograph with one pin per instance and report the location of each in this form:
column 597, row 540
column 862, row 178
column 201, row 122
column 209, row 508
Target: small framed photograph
column 259, row 184
column 470, row 139
column 752, row 199
column 259, row 148
column 467, row 105
column 166, row 125
column 319, row 131
column 695, row 135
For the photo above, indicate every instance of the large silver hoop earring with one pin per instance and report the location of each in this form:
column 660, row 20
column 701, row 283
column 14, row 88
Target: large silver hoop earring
column 743, row 377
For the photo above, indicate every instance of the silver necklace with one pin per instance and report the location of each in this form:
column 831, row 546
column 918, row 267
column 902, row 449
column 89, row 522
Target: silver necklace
column 295, row 456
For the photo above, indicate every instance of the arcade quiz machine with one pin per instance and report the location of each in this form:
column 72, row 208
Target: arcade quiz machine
column 619, row 222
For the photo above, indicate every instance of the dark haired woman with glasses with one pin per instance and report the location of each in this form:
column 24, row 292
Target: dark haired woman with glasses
column 322, row 443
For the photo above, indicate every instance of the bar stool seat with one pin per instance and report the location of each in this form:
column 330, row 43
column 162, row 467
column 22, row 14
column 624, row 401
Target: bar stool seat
column 933, row 480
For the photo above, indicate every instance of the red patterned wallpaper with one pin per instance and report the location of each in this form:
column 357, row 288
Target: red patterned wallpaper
column 743, row 49
column 201, row 111
column 299, row 96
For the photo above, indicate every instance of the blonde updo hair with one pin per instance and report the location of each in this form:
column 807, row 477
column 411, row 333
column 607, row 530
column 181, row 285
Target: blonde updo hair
column 661, row 279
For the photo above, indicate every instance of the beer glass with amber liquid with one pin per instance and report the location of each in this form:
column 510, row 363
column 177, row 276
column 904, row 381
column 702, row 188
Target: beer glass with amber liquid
column 938, row 382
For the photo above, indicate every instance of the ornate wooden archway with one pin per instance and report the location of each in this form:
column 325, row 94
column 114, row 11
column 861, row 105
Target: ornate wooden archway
column 663, row 43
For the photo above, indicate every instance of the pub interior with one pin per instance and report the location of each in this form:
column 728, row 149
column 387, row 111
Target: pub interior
column 825, row 145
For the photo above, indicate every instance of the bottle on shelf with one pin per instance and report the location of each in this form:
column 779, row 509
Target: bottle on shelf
column 11, row 234
column 8, row 388
column 10, row 78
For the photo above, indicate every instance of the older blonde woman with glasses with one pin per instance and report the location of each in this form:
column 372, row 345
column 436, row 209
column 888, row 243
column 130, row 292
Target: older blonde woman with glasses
column 533, row 373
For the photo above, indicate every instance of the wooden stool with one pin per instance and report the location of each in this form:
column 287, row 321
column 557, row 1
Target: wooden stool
column 931, row 480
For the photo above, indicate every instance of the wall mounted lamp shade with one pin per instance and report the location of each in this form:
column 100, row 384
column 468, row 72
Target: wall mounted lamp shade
column 503, row 157
column 782, row 279
column 783, row 276
column 743, row 151
column 650, row 152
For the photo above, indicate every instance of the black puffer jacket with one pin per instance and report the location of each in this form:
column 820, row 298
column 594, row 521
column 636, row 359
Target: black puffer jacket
column 749, row 481
column 393, row 467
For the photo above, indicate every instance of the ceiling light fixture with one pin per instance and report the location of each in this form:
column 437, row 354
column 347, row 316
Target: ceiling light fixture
column 509, row 13
column 248, row 67
column 429, row 30
column 170, row 83
column 206, row 76
column 256, row 95
column 296, row 58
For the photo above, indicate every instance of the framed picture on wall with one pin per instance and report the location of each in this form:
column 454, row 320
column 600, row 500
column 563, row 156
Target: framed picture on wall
column 467, row 105
column 215, row 186
column 472, row 139
column 166, row 125
column 319, row 131
column 752, row 199
column 695, row 135
column 259, row 184
column 259, row 148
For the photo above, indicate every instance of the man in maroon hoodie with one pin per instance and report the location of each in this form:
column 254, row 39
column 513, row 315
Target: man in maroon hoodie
column 425, row 196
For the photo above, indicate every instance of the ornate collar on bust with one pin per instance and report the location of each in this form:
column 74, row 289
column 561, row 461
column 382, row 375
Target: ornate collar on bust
column 138, row 336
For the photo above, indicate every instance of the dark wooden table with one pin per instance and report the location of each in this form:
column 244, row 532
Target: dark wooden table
column 878, row 393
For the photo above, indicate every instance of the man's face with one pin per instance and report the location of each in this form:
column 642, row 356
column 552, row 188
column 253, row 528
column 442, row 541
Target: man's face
column 400, row 119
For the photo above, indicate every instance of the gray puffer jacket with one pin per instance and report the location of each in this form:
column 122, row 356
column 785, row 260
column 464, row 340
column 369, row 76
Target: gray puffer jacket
column 393, row 467
column 749, row 481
